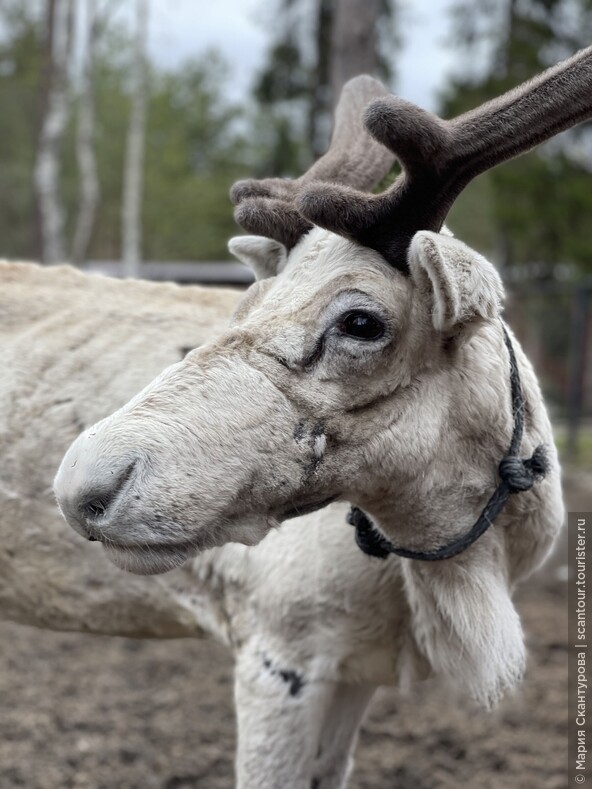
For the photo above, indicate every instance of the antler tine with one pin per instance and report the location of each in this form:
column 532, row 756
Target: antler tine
column 441, row 157
column 266, row 207
column 353, row 157
column 277, row 219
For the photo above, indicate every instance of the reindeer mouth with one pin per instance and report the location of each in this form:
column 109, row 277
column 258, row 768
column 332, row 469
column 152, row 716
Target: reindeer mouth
column 143, row 557
column 149, row 559
column 153, row 558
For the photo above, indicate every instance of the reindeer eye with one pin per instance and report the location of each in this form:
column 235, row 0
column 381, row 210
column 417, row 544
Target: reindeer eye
column 361, row 325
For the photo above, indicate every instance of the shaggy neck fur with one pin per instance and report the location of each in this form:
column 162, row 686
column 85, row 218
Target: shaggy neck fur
column 462, row 608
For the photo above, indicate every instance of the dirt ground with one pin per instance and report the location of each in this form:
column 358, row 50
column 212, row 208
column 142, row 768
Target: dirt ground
column 84, row 712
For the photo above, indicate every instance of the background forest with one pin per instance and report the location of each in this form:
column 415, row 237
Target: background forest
column 75, row 78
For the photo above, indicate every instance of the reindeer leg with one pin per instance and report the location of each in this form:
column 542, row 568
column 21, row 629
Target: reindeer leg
column 294, row 732
column 334, row 757
column 280, row 712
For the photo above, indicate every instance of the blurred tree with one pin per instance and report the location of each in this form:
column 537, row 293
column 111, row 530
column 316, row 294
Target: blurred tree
column 197, row 143
column 58, row 37
column 354, row 42
column 319, row 45
column 131, row 220
column 535, row 209
column 195, row 148
column 89, row 191
column 20, row 70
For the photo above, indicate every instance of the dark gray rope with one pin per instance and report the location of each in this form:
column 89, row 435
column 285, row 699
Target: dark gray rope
column 516, row 475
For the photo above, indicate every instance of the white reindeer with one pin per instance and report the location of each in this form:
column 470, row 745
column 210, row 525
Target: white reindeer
column 371, row 365
column 314, row 624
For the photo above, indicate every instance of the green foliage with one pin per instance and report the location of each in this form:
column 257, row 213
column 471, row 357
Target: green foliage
column 196, row 146
column 536, row 208
column 283, row 86
column 112, row 114
column 285, row 76
column 20, row 69
column 194, row 151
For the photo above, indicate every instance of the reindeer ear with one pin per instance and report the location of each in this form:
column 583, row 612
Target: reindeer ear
column 464, row 621
column 464, row 288
column 264, row 256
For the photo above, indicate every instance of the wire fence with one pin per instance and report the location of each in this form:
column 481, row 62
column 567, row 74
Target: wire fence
column 553, row 322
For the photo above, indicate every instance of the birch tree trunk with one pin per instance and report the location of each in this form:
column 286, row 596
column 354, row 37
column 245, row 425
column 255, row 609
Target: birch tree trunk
column 354, row 42
column 319, row 115
column 131, row 227
column 85, row 140
column 60, row 15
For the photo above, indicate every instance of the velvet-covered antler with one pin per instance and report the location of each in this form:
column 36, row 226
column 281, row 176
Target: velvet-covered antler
column 267, row 207
column 439, row 158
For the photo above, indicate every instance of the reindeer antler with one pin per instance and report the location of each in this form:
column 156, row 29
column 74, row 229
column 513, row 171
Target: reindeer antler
column 440, row 158
column 267, row 207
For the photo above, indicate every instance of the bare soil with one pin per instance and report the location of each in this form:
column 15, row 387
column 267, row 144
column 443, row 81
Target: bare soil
column 87, row 712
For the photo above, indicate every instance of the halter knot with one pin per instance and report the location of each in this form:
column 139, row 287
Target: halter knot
column 368, row 539
column 520, row 474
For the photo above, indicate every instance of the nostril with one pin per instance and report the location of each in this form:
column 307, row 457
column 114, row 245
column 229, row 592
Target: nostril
column 96, row 506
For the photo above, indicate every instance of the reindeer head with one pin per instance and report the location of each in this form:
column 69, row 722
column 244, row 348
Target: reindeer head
column 366, row 363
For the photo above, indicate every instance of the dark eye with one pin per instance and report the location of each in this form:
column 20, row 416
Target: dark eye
column 361, row 325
